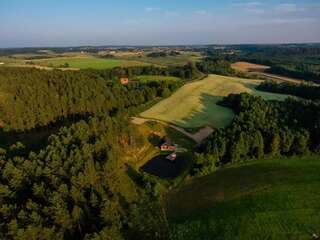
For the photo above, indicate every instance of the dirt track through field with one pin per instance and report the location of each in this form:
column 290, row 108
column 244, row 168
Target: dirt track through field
column 198, row 137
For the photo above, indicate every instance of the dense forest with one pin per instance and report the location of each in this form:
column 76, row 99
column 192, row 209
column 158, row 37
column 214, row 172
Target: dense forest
column 262, row 128
column 78, row 184
column 210, row 65
column 77, row 188
column 303, row 90
column 32, row 98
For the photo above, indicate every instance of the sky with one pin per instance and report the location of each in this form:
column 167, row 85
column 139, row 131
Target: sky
column 38, row 23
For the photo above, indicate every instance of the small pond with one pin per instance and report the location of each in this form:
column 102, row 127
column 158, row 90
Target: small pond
column 164, row 168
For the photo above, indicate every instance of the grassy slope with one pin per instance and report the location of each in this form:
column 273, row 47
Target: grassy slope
column 89, row 62
column 272, row 199
column 194, row 105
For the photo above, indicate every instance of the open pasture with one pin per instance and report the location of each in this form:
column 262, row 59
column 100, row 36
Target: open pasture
column 195, row 104
column 88, row 62
column 266, row 199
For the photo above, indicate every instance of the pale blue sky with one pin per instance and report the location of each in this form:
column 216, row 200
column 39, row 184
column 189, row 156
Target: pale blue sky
column 26, row 23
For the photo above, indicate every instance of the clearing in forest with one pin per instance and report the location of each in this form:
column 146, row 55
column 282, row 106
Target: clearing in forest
column 88, row 62
column 195, row 104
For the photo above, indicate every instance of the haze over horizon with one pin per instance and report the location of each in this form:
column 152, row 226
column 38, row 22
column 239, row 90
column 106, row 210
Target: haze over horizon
column 35, row 23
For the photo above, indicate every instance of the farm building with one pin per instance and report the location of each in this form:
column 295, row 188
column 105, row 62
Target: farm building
column 124, row 80
column 172, row 157
column 166, row 147
column 1, row 63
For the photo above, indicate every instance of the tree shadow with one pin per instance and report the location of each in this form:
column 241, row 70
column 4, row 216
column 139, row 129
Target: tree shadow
column 211, row 114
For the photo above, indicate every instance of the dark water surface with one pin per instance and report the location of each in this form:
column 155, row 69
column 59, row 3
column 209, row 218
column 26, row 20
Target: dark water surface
column 164, row 168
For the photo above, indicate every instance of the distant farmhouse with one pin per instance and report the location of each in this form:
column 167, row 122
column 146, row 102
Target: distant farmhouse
column 1, row 63
column 124, row 81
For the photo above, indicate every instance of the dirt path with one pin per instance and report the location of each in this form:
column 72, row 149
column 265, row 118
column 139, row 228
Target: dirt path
column 198, row 137
column 278, row 78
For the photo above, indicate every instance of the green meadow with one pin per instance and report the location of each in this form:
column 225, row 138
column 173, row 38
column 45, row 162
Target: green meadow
column 195, row 104
column 267, row 199
column 89, row 62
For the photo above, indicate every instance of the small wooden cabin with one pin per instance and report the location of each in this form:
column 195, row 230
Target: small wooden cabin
column 124, row 80
column 168, row 147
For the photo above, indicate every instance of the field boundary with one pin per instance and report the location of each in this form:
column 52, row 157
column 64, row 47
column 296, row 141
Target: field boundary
column 198, row 137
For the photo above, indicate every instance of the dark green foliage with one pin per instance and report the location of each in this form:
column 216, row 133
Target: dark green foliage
column 34, row 98
column 310, row 72
column 215, row 66
column 76, row 188
column 262, row 128
column 311, row 92
column 163, row 54
column 297, row 61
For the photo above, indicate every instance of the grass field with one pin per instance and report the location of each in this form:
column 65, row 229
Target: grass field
column 270, row 199
column 182, row 59
column 89, row 62
column 195, row 104
column 147, row 78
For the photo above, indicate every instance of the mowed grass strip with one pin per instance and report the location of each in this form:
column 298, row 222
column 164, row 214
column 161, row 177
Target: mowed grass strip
column 271, row 199
column 148, row 78
column 195, row 104
column 90, row 62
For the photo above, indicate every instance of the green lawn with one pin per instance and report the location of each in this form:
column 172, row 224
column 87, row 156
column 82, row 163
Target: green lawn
column 147, row 78
column 270, row 199
column 182, row 59
column 89, row 62
column 195, row 104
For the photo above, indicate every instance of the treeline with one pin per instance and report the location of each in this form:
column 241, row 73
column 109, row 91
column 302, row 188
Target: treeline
column 311, row 92
column 308, row 72
column 77, row 187
column 297, row 60
column 261, row 128
column 163, row 54
column 33, row 98
column 215, row 66
column 186, row 72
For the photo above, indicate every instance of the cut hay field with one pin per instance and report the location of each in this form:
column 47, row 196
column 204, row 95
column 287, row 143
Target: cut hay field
column 89, row 62
column 148, row 78
column 267, row 199
column 195, row 104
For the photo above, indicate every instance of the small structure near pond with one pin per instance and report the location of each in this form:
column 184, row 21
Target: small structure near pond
column 166, row 147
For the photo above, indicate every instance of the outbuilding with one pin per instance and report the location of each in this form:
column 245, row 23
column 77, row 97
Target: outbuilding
column 124, row 81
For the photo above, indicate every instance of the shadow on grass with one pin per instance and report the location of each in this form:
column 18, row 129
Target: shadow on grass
column 211, row 114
